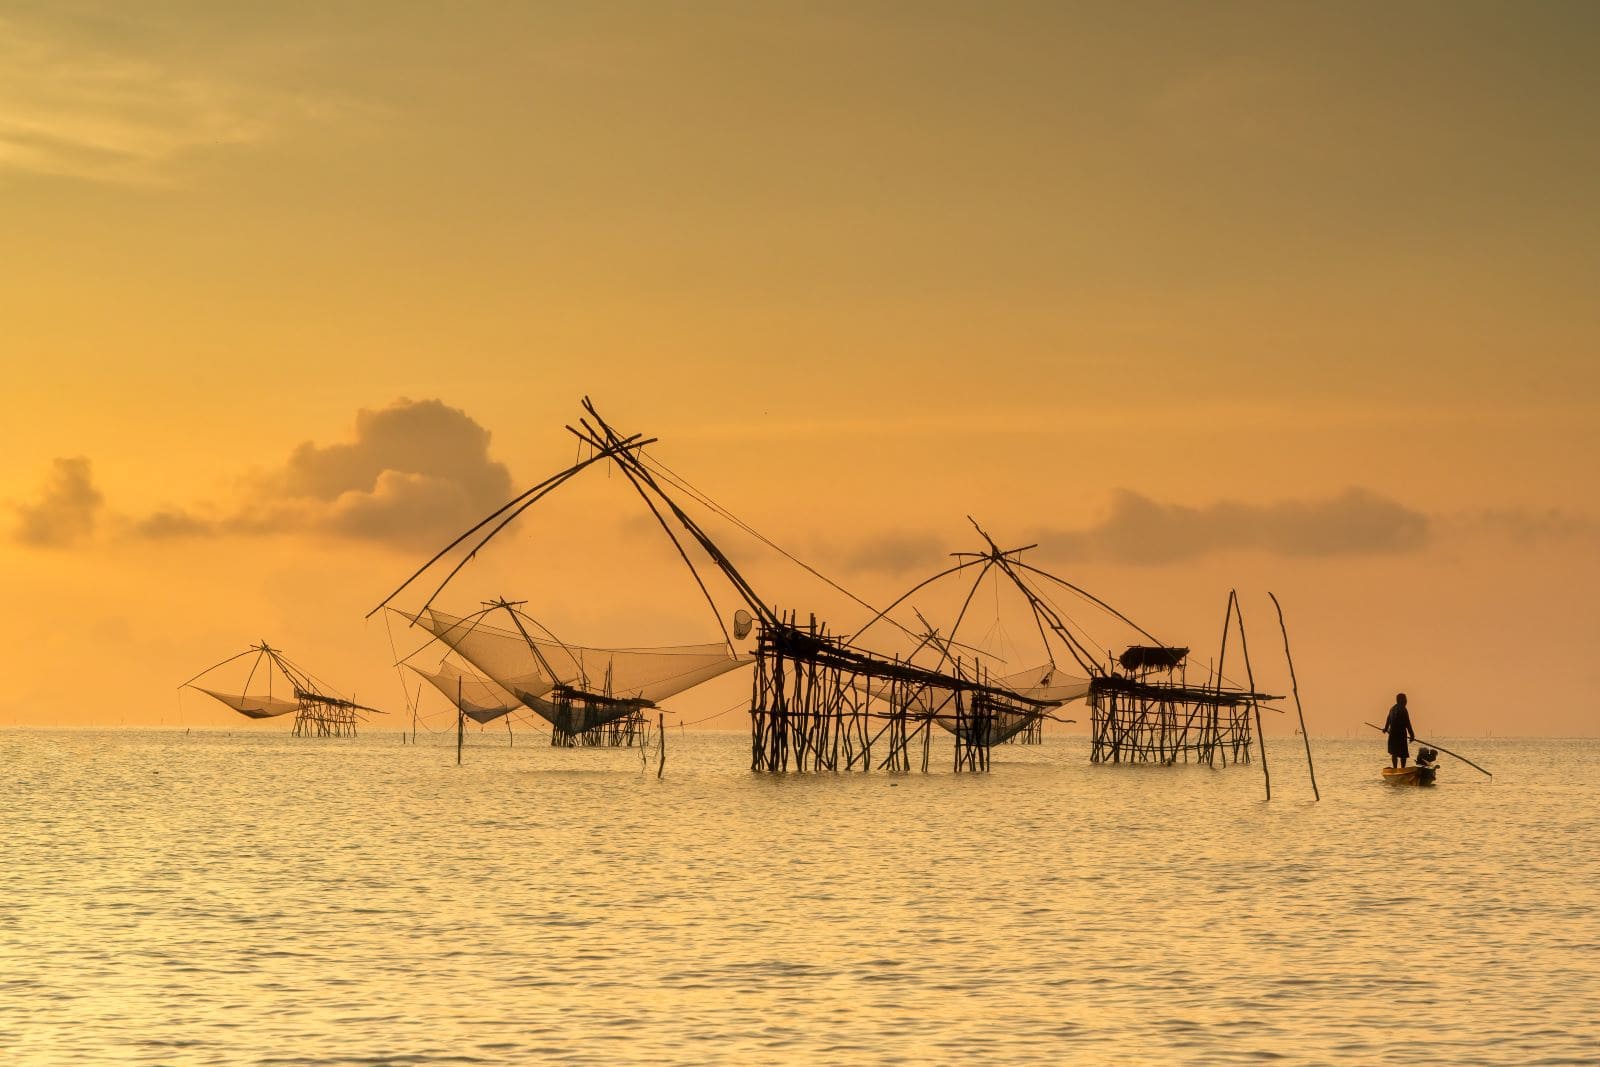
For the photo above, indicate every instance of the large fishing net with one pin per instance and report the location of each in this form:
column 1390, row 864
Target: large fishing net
column 550, row 676
column 253, row 706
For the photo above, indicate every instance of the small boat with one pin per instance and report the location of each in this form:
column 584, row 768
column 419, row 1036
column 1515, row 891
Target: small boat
column 1423, row 772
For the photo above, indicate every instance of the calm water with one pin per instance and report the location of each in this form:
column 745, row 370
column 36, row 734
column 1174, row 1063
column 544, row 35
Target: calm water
column 255, row 899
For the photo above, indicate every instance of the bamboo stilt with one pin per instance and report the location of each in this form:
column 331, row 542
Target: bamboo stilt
column 1294, row 685
column 661, row 753
column 1244, row 648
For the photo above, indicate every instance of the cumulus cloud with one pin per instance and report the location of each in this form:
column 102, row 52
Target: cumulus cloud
column 1144, row 531
column 404, row 506
column 66, row 508
column 417, row 473
column 424, row 438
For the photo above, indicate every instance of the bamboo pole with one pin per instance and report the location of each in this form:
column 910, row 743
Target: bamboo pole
column 1222, row 658
column 1294, row 686
column 1250, row 679
column 461, row 723
column 661, row 752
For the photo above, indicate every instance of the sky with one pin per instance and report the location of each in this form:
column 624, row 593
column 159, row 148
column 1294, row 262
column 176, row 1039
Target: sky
column 1268, row 297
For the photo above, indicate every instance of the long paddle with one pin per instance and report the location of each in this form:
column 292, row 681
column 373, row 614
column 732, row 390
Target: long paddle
column 1434, row 744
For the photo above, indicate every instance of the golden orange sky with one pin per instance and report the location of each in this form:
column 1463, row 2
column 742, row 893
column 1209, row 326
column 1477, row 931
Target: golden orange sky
column 1258, row 296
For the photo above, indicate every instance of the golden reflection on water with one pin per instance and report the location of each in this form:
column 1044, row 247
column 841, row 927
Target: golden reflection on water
column 252, row 898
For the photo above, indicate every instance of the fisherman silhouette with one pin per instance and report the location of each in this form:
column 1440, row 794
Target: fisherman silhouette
column 1398, row 727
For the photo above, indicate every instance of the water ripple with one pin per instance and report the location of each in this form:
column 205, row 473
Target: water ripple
column 253, row 899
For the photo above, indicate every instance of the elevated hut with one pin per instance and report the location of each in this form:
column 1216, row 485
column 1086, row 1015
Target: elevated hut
column 1144, row 711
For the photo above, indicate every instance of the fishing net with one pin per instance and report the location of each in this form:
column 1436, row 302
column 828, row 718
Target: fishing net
column 480, row 699
column 1039, row 688
column 253, row 706
column 569, row 685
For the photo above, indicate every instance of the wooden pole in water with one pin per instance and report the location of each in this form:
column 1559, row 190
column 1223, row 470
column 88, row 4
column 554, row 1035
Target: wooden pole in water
column 661, row 752
column 1295, row 688
column 461, row 723
column 1250, row 680
column 1222, row 657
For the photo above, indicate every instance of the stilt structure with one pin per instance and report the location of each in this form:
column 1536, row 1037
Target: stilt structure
column 630, row 731
column 1031, row 734
column 818, row 703
column 1141, row 707
column 583, row 719
column 324, row 716
column 1147, row 714
column 983, row 709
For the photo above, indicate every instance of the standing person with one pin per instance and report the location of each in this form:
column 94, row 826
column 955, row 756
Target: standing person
column 1398, row 727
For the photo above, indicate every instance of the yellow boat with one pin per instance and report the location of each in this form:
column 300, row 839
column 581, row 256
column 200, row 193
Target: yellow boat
column 1422, row 772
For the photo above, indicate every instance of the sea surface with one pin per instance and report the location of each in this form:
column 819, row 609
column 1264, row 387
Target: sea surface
column 248, row 897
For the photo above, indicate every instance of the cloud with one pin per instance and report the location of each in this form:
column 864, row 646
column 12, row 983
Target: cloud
column 417, row 473
column 66, row 509
column 893, row 553
column 1526, row 528
column 1144, row 531
column 411, row 508
column 1139, row 530
column 171, row 523
column 425, row 438
column 73, row 109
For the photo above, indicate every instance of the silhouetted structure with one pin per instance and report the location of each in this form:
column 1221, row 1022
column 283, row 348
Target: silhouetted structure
column 822, row 702
column 274, row 686
column 1149, row 714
